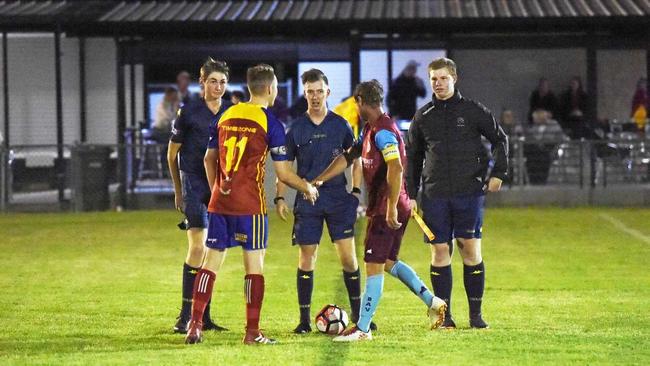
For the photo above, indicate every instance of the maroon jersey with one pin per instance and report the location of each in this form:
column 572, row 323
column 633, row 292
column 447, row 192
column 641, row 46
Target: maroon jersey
column 375, row 168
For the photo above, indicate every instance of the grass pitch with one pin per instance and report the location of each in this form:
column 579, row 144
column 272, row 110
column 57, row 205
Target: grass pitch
column 564, row 286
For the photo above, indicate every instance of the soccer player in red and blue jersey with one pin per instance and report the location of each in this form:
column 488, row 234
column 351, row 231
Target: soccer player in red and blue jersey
column 383, row 157
column 235, row 163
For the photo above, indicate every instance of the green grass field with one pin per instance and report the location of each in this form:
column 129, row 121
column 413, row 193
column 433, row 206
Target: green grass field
column 564, row 286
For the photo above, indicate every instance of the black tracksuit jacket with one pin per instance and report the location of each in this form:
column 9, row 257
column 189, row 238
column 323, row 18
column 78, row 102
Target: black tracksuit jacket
column 446, row 136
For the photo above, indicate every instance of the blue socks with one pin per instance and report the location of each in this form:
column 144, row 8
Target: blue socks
column 370, row 300
column 407, row 275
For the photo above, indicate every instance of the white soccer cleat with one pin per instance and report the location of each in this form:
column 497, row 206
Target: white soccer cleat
column 353, row 334
column 437, row 312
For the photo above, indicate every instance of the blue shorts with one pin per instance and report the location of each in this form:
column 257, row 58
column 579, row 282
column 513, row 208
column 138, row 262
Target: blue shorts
column 456, row 217
column 196, row 196
column 337, row 208
column 227, row 231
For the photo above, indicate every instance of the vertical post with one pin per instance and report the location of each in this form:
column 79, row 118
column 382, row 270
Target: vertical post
column 5, row 87
column 121, row 125
column 5, row 183
column 145, row 96
column 82, row 90
column 132, row 88
column 592, row 86
column 389, row 64
column 60, row 166
column 355, row 58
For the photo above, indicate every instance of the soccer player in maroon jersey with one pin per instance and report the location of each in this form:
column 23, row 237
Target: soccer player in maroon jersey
column 383, row 157
column 235, row 163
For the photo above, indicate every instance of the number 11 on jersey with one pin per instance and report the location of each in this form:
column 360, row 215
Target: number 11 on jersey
column 231, row 144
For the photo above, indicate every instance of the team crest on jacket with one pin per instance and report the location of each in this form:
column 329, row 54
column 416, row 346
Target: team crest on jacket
column 460, row 122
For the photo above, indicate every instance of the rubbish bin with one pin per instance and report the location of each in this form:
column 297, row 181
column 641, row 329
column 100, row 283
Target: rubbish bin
column 90, row 167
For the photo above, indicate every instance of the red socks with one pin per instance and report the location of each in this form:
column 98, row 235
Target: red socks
column 254, row 293
column 203, row 284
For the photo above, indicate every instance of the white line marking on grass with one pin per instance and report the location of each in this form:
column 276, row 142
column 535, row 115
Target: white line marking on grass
column 624, row 228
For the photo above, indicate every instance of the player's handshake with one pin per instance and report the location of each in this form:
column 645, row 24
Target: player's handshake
column 311, row 194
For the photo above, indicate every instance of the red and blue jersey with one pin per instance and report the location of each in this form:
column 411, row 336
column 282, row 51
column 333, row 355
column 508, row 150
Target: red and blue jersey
column 244, row 135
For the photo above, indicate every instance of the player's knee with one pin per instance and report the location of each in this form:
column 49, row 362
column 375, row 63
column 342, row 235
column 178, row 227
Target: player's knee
column 440, row 255
column 349, row 261
column 471, row 251
column 307, row 260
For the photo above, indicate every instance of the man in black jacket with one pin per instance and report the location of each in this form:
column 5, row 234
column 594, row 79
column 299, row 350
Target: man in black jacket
column 446, row 154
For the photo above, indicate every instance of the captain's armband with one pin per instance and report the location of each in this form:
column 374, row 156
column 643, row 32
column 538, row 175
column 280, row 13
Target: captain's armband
column 390, row 152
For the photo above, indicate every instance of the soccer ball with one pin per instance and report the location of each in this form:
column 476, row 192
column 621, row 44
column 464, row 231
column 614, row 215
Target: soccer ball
column 332, row 319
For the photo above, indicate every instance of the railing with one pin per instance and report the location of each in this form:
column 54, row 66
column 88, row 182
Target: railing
column 99, row 177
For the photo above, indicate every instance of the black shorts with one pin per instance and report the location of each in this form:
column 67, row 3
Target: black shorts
column 196, row 195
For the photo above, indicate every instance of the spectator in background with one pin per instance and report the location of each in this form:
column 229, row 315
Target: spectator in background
column 165, row 114
column 640, row 103
column 542, row 98
column 541, row 139
column 510, row 125
column 183, row 81
column 349, row 110
column 237, row 97
column 404, row 92
column 280, row 110
column 166, row 111
column 574, row 103
column 299, row 107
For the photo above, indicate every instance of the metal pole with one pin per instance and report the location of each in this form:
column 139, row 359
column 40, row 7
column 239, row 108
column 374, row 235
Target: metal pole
column 389, row 64
column 592, row 87
column 121, row 125
column 82, row 90
column 60, row 167
column 132, row 90
column 5, row 87
column 355, row 58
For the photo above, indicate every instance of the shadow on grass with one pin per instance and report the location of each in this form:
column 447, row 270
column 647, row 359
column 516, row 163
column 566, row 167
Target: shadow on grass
column 337, row 353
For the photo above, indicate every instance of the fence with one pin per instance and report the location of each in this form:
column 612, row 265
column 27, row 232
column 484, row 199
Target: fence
column 134, row 175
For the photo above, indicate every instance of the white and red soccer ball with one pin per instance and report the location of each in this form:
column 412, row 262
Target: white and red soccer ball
column 332, row 320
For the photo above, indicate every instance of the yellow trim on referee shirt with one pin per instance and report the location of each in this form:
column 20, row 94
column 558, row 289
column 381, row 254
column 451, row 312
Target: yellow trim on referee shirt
column 390, row 152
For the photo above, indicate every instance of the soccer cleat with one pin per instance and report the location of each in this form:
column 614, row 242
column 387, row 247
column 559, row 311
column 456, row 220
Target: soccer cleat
column 302, row 328
column 476, row 321
column 437, row 312
column 373, row 326
column 255, row 336
column 194, row 332
column 353, row 334
column 181, row 325
column 210, row 325
column 448, row 323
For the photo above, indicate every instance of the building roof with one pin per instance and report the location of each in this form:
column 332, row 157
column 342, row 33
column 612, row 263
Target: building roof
column 156, row 15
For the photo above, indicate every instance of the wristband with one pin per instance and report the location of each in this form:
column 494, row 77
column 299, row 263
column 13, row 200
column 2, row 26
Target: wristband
column 356, row 190
column 277, row 199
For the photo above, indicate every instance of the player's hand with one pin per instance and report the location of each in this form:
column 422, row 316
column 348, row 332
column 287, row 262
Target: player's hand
column 317, row 183
column 178, row 202
column 413, row 204
column 311, row 194
column 494, row 184
column 391, row 219
column 282, row 209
